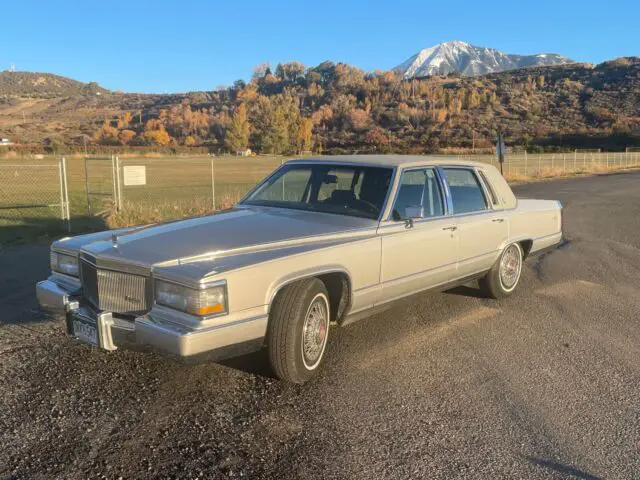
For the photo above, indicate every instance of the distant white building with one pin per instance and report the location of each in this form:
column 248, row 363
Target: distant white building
column 5, row 141
column 245, row 153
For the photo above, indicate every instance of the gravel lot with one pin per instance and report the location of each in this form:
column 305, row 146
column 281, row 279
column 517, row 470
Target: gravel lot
column 545, row 384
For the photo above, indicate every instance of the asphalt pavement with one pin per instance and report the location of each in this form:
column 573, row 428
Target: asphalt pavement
column 544, row 384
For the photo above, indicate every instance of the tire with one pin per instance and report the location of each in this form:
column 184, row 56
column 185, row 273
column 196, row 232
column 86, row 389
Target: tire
column 499, row 285
column 298, row 330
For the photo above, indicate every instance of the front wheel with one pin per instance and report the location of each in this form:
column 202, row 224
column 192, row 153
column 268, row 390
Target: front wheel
column 503, row 277
column 298, row 330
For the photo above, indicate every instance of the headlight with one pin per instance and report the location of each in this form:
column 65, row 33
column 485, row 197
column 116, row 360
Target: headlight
column 202, row 302
column 62, row 263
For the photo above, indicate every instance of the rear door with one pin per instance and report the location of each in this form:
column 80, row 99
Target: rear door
column 481, row 229
column 421, row 252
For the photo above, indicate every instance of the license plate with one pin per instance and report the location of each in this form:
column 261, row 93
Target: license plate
column 85, row 332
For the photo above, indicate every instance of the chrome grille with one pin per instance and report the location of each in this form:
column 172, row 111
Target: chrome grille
column 115, row 292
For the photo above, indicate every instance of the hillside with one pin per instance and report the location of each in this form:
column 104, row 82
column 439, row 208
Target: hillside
column 339, row 108
column 44, row 85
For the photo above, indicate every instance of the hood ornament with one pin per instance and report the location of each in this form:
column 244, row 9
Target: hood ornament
column 114, row 241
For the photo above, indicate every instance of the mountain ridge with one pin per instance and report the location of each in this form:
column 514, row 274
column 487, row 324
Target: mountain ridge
column 469, row 60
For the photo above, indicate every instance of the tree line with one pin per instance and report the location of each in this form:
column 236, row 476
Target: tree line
column 339, row 108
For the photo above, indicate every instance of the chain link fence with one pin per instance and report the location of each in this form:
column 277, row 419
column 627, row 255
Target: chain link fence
column 100, row 183
column 50, row 191
column 524, row 165
column 33, row 197
column 175, row 187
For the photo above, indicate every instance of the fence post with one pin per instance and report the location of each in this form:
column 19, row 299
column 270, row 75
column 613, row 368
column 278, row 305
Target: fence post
column 213, row 187
column 525, row 163
column 118, row 182
column 62, row 215
column 86, row 185
column 113, row 178
column 66, row 193
column 564, row 162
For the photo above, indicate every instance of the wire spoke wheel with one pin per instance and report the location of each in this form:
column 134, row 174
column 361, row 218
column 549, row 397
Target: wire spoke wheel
column 315, row 332
column 510, row 267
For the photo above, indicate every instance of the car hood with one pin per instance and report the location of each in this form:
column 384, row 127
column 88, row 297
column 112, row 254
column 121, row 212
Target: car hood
column 240, row 230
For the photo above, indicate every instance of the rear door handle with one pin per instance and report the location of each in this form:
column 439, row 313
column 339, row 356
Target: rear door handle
column 499, row 220
column 453, row 229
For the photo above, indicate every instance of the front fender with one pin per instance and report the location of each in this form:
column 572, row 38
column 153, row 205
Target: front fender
column 291, row 277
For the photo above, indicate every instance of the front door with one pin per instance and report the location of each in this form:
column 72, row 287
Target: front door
column 419, row 242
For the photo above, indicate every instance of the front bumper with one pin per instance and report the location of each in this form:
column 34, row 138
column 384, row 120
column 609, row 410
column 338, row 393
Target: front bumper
column 156, row 329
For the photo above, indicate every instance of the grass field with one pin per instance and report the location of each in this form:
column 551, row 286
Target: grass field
column 182, row 186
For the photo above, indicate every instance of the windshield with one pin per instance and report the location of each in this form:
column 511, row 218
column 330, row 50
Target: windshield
column 342, row 189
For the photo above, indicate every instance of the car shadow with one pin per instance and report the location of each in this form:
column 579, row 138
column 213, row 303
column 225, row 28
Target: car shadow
column 562, row 468
column 466, row 291
column 256, row 363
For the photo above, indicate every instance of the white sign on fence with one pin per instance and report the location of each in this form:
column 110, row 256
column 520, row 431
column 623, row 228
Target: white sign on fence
column 135, row 175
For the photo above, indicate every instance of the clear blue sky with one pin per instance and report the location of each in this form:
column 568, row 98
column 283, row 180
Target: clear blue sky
column 159, row 46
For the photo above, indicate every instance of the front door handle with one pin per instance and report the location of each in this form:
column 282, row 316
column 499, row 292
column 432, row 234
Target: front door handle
column 453, row 229
column 499, row 220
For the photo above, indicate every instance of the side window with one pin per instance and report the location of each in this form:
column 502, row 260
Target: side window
column 492, row 193
column 466, row 192
column 420, row 191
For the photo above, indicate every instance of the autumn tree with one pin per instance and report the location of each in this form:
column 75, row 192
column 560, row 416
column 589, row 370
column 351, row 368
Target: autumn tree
column 377, row 137
column 124, row 120
column 106, row 134
column 155, row 132
column 322, row 116
column 304, row 136
column 259, row 71
column 237, row 137
column 125, row 136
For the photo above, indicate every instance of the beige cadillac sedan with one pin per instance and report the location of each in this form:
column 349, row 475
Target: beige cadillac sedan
column 321, row 240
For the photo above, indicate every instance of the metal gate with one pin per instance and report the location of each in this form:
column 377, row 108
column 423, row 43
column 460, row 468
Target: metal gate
column 102, row 183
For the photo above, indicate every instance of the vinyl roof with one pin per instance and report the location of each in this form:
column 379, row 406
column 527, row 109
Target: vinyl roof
column 391, row 160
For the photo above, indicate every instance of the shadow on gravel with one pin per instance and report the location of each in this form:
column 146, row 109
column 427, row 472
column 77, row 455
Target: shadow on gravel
column 255, row 363
column 27, row 229
column 564, row 469
column 466, row 291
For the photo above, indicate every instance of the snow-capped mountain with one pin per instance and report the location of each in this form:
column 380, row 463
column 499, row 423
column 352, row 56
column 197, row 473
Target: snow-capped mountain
column 469, row 60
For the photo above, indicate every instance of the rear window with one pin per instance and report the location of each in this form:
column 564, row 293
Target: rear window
column 466, row 193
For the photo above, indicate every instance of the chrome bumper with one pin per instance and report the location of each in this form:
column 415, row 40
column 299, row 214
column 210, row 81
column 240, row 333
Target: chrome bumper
column 51, row 296
column 156, row 330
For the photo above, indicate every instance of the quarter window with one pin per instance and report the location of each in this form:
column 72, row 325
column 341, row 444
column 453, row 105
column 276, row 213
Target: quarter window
column 466, row 192
column 492, row 193
column 419, row 192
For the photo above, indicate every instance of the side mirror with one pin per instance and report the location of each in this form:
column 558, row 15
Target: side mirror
column 413, row 211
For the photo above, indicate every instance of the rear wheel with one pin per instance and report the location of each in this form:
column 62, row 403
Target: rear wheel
column 298, row 330
column 504, row 276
